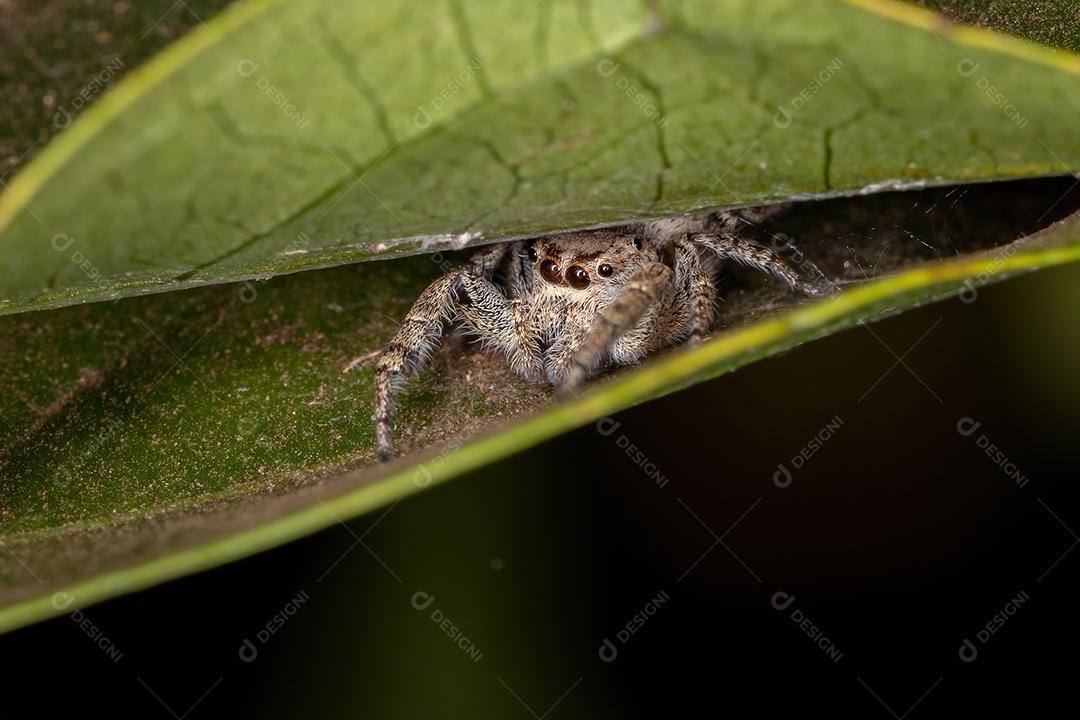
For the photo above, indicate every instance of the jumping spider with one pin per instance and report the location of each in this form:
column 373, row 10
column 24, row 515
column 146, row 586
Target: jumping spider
column 565, row 304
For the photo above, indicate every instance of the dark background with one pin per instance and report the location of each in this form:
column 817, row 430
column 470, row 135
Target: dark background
column 899, row 539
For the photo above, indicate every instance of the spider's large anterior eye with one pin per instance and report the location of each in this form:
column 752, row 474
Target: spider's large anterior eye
column 577, row 277
column 605, row 270
column 637, row 243
column 550, row 270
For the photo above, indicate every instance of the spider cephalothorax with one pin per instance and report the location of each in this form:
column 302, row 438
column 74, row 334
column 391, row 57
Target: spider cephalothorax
column 598, row 262
column 558, row 307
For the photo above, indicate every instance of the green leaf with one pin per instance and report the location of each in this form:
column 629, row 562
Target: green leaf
column 287, row 136
column 151, row 437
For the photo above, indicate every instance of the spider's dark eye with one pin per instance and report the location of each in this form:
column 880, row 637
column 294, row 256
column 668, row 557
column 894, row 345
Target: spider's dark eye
column 532, row 253
column 577, row 277
column 550, row 270
column 637, row 243
column 605, row 270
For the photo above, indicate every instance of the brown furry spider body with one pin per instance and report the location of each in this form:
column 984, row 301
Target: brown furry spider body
column 564, row 305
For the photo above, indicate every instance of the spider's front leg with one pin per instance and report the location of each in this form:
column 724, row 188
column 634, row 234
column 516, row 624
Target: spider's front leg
column 501, row 323
column 407, row 352
column 685, row 313
column 468, row 291
column 759, row 257
column 418, row 335
column 642, row 292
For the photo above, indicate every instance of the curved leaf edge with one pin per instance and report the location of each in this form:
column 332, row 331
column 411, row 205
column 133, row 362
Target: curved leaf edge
column 870, row 302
